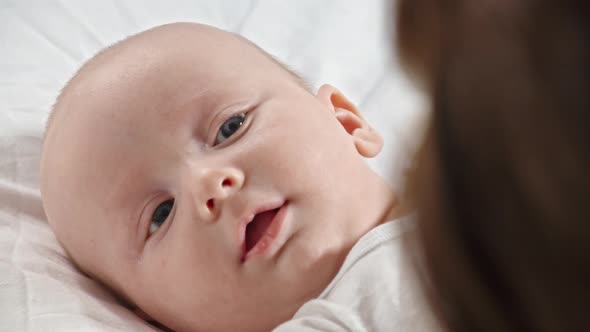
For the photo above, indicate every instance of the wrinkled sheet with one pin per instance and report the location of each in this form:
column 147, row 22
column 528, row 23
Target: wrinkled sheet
column 342, row 42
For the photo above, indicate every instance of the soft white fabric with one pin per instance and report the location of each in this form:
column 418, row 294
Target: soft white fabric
column 375, row 290
column 42, row 43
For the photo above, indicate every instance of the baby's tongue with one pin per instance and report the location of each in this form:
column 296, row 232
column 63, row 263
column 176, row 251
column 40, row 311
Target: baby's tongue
column 257, row 227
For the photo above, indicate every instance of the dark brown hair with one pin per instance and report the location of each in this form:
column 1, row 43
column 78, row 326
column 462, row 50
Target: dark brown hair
column 500, row 182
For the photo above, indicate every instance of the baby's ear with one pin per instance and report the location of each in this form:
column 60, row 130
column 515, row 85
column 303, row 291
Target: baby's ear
column 367, row 141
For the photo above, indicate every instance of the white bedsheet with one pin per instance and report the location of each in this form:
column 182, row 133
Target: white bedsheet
column 341, row 42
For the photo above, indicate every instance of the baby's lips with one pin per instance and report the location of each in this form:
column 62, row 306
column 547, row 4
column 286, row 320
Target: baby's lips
column 271, row 233
column 275, row 227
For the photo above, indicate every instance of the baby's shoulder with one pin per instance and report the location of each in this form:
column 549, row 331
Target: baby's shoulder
column 374, row 290
column 369, row 274
column 374, row 260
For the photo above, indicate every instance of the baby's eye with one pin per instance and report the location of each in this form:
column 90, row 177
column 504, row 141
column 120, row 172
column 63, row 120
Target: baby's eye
column 160, row 215
column 229, row 127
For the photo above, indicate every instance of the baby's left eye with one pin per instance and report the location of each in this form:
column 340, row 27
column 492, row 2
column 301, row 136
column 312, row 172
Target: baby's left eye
column 160, row 215
column 229, row 127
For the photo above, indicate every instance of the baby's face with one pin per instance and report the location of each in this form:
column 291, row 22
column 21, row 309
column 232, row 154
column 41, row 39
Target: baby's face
column 196, row 176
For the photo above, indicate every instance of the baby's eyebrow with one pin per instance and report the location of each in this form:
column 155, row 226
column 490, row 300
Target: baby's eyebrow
column 131, row 222
column 135, row 224
column 197, row 108
column 129, row 203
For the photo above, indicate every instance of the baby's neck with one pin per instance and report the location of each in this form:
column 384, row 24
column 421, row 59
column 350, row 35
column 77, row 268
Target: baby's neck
column 399, row 208
column 379, row 203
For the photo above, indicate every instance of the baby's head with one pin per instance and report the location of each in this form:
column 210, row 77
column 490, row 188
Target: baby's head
column 198, row 178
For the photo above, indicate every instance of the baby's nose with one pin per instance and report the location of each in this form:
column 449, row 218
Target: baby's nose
column 215, row 186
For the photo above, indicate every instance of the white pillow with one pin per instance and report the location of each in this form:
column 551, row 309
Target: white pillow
column 342, row 42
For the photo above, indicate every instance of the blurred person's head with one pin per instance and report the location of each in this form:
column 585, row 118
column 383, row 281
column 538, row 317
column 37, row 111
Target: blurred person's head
column 501, row 180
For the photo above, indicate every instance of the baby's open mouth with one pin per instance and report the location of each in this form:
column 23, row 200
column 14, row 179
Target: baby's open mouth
column 256, row 229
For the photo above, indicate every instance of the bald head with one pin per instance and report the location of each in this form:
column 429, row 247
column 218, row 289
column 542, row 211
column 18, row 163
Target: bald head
column 71, row 166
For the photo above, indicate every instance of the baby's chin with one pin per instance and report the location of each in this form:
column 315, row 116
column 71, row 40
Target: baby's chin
column 254, row 318
column 261, row 322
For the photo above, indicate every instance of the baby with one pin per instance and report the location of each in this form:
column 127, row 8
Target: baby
column 203, row 183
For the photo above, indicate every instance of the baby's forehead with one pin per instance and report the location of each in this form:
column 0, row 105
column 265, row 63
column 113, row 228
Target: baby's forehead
column 162, row 57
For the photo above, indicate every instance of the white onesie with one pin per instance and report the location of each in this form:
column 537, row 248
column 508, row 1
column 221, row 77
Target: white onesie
column 374, row 290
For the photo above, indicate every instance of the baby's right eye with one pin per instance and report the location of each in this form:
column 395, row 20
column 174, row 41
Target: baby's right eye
column 160, row 215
